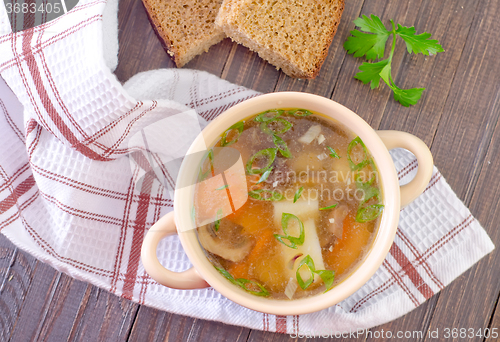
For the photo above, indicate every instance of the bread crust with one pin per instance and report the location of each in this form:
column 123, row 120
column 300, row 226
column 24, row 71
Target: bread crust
column 239, row 21
column 166, row 42
column 330, row 40
column 169, row 42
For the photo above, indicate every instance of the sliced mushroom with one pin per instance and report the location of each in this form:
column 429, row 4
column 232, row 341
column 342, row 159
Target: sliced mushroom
column 227, row 242
column 281, row 175
column 336, row 220
column 335, row 226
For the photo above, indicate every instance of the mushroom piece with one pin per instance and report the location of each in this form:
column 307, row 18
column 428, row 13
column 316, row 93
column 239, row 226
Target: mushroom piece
column 227, row 242
column 335, row 226
column 336, row 220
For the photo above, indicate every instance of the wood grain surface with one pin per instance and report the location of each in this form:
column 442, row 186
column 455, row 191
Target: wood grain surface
column 458, row 117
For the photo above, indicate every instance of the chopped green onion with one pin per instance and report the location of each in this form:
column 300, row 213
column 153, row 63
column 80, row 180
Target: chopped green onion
column 217, row 220
column 308, row 261
column 329, row 207
column 243, row 283
column 227, row 275
column 223, row 187
column 211, row 158
column 202, row 175
column 265, row 176
column 328, row 277
column 364, row 162
column 333, row 154
column 297, row 194
column 239, row 127
column 282, row 147
column 293, row 241
column 268, row 115
column 300, row 113
column 283, row 238
column 264, row 126
column 285, row 218
column 273, row 195
column 265, row 129
column 286, row 125
column 365, row 185
column 269, row 153
column 369, row 191
column 369, row 213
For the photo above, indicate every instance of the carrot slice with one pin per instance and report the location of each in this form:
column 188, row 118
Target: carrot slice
column 254, row 217
column 348, row 249
column 241, row 269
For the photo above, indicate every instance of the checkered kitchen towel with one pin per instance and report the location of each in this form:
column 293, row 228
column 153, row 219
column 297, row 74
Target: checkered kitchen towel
column 70, row 161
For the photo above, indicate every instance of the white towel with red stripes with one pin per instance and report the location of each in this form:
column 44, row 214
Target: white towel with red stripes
column 71, row 160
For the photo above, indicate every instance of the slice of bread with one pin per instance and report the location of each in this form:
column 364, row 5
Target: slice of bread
column 186, row 27
column 293, row 35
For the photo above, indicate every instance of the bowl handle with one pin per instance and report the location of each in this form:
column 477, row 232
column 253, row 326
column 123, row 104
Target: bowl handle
column 189, row 279
column 395, row 139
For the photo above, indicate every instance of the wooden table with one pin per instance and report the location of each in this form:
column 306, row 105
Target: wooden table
column 458, row 117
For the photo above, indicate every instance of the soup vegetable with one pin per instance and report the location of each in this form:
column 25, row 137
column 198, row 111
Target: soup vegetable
column 310, row 206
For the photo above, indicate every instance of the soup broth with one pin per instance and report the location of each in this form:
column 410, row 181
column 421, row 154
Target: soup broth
column 312, row 210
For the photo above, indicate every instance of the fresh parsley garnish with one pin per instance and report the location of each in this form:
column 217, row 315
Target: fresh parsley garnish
column 333, row 154
column 371, row 44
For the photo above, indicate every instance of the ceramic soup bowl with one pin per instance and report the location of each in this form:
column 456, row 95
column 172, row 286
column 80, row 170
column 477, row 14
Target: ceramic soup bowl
column 204, row 274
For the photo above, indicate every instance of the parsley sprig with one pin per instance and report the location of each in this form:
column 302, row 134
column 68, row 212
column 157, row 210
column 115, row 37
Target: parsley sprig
column 371, row 44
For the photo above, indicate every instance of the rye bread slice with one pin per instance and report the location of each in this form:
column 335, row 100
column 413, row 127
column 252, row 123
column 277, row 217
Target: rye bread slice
column 186, row 27
column 293, row 35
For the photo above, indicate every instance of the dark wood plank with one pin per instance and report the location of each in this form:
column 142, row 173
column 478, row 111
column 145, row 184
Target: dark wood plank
column 213, row 61
column 40, row 303
column 265, row 336
column 246, row 68
column 466, row 147
column 16, row 273
column 139, row 47
column 102, row 316
column 39, row 294
column 465, row 131
column 156, row 325
column 59, row 310
column 203, row 330
column 495, row 320
column 367, row 103
column 150, row 325
column 435, row 73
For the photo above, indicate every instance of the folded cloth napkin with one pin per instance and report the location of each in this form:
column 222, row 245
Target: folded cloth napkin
column 72, row 157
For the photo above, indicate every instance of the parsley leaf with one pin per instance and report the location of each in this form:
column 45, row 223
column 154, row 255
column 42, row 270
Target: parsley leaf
column 418, row 43
column 406, row 97
column 373, row 25
column 370, row 72
column 371, row 44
